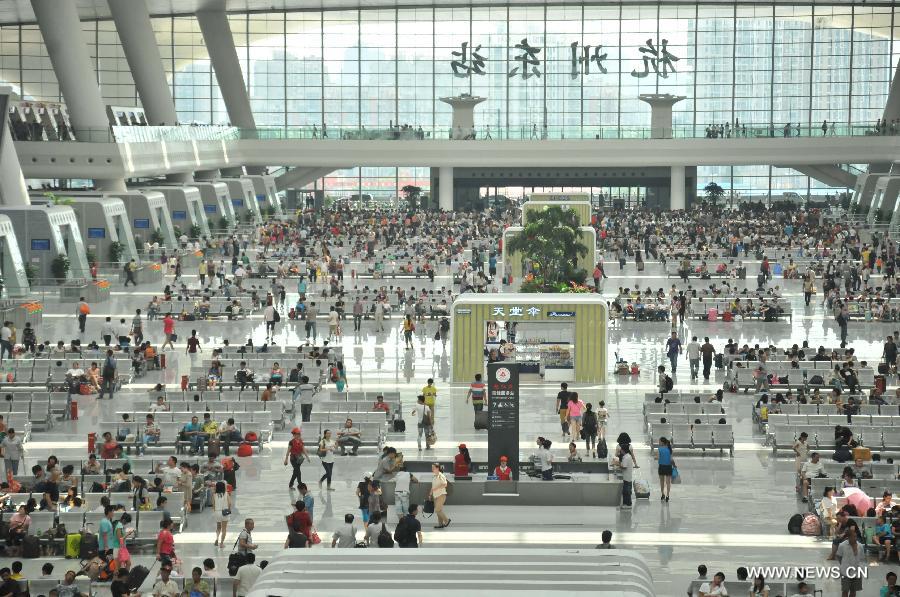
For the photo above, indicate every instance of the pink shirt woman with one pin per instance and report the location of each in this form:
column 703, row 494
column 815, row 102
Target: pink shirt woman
column 575, row 407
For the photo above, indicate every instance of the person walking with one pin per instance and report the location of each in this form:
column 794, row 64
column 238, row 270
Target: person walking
column 221, row 512
column 202, row 270
column 408, row 328
column 438, row 493
column 693, row 355
column 562, row 408
column 424, row 420
column 130, row 268
column 137, row 328
column 576, row 407
column 108, row 375
column 82, row 310
column 295, row 454
column 326, row 454
column 271, row 316
column 168, row 332
column 665, row 467
column 357, row 314
column 312, row 312
column 379, row 316
column 626, row 460
column 602, row 420
column 476, row 393
column 708, row 352
column 809, row 286
column 673, row 349
column 589, row 427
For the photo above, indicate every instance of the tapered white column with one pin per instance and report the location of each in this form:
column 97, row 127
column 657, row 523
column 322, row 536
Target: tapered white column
column 219, row 42
column 61, row 29
column 12, row 184
column 445, row 188
column 676, row 191
column 139, row 43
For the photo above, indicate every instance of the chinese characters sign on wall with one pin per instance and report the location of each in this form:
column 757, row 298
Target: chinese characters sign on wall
column 585, row 60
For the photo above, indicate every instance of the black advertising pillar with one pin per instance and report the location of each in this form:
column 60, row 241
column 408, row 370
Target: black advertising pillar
column 503, row 415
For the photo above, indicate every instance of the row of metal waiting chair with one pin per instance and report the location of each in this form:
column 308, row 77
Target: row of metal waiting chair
column 145, row 523
column 696, row 437
column 834, row 419
column 782, row 437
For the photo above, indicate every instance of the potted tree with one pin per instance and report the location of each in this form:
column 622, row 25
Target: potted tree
column 59, row 267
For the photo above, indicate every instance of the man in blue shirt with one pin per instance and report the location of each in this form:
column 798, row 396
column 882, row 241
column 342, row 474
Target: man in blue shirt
column 192, row 432
column 673, row 349
column 105, row 537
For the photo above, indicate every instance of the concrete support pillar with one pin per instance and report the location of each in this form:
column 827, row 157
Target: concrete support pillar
column 676, row 191
column 220, row 45
column 13, row 190
column 61, row 29
column 139, row 43
column 660, row 113
column 445, row 188
column 463, row 114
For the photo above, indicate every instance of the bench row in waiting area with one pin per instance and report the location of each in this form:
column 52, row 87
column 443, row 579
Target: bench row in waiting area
column 738, row 587
column 144, row 522
column 264, row 417
column 171, row 436
column 144, row 466
column 218, row 307
column 798, row 378
column 782, row 437
column 704, row 436
column 683, row 408
column 701, row 308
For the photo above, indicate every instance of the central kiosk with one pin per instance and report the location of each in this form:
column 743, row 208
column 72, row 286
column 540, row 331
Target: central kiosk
column 565, row 334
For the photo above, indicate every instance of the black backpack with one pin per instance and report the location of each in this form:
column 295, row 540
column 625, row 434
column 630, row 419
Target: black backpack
column 795, row 524
column 402, row 533
column 669, row 384
column 445, row 325
column 384, row 537
column 816, row 380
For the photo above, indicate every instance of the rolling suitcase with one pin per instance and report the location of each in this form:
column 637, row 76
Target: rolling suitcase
column 641, row 489
column 136, row 578
column 719, row 361
column 602, row 449
column 73, row 546
column 712, row 314
column 89, row 546
column 31, row 546
column 481, row 419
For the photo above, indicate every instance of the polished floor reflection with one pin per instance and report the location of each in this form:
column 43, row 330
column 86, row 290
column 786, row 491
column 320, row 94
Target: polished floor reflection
column 728, row 512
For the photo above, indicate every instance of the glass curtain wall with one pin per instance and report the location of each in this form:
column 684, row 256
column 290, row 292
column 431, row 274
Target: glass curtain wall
column 571, row 68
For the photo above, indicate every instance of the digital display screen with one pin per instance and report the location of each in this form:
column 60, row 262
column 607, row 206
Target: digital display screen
column 210, row 209
column 40, row 244
column 179, row 215
column 237, row 202
column 261, row 198
column 142, row 223
column 96, row 232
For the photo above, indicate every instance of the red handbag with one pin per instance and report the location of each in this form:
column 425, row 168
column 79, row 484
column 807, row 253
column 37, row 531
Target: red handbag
column 314, row 538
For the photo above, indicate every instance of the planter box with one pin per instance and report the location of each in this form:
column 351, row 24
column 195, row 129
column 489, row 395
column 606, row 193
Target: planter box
column 70, row 292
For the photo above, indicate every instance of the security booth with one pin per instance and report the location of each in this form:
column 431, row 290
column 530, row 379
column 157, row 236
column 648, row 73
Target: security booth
column 12, row 267
column 513, row 264
column 579, row 202
column 149, row 215
column 265, row 192
column 553, row 337
column 216, row 203
column 104, row 227
column 47, row 233
column 185, row 207
column 243, row 199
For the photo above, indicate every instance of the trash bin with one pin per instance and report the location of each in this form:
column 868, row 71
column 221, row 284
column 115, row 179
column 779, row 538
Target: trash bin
column 74, row 416
column 92, row 442
column 185, row 380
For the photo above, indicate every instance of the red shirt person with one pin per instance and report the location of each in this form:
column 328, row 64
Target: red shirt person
column 503, row 472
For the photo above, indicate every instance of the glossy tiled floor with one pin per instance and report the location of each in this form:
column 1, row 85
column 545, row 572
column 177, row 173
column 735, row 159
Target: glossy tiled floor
column 728, row 512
